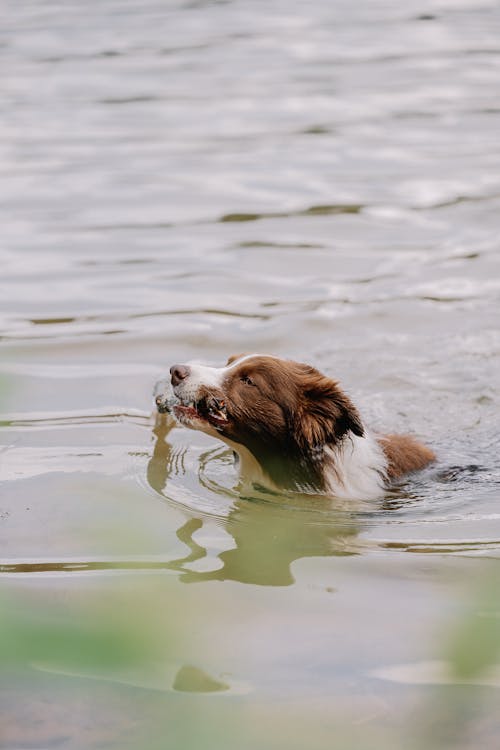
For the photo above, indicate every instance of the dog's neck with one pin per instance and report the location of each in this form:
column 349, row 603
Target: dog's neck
column 353, row 467
column 360, row 468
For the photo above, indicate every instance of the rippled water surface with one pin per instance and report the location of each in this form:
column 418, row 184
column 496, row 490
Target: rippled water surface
column 187, row 180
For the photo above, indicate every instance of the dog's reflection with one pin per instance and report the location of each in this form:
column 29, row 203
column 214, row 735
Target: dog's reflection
column 267, row 538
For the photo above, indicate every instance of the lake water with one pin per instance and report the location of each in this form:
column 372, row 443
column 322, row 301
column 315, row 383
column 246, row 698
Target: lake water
column 188, row 180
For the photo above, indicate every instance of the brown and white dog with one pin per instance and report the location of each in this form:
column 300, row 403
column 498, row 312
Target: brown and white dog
column 291, row 427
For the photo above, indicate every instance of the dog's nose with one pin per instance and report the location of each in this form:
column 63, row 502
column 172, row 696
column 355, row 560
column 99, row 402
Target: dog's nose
column 179, row 373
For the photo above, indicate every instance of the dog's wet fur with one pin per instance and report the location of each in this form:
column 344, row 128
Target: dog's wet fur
column 292, row 427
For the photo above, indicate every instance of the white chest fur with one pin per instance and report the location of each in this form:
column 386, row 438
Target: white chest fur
column 360, row 468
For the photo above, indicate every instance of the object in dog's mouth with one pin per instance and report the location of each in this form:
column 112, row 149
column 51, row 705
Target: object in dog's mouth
column 164, row 397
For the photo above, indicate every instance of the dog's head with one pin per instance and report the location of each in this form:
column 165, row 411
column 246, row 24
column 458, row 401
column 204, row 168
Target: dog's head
column 269, row 405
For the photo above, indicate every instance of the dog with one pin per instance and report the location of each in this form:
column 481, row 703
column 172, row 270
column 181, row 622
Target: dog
column 291, row 427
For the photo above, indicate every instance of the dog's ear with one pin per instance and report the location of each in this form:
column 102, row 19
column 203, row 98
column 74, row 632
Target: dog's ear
column 234, row 357
column 326, row 413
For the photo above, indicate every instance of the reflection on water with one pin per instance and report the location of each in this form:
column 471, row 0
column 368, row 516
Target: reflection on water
column 266, row 541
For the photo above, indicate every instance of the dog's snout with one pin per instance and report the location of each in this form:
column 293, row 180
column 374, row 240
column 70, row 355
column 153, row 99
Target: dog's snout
column 179, row 373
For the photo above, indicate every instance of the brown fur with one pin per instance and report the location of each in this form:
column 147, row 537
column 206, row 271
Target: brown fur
column 296, row 400
column 285, row 413
column 404, row 454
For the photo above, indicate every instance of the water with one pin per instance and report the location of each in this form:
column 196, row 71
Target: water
column 189, row 180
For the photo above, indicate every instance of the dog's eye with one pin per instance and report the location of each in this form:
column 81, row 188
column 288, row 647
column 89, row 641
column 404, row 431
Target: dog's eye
column 248, row 381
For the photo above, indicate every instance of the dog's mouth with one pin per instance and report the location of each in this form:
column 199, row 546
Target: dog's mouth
column 212, row 410
column 209, row 410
